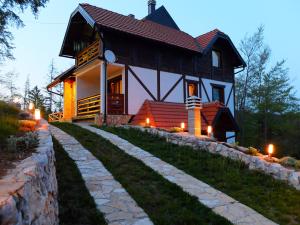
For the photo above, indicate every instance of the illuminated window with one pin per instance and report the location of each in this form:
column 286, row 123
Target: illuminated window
column 216, row 59
column 218, row 93
column 192, row 89
column 115, row 86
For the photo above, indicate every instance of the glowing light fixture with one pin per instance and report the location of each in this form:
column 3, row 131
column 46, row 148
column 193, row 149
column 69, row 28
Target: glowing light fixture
column 31, row 106
column 37, row 114
column 209, row 131
column 182, row 126
column 270, row 150
column 147, row 122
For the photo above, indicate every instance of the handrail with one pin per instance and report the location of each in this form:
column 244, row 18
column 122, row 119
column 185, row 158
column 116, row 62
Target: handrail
column 87, row 54
column 55, row 117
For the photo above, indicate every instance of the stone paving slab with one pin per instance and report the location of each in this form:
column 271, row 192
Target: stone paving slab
column 110, row 197
column 219, row 202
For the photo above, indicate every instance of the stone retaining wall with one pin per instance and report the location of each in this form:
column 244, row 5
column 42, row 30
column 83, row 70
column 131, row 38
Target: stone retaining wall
column 28, row 194
column 279, row 172
column 112, row 120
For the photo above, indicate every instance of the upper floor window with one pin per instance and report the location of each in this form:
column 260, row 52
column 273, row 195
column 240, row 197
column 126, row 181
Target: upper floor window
column 216, row 59
column 192, row 88
column 218, row 93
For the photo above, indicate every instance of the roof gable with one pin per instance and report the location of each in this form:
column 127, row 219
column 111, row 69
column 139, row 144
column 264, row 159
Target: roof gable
column 162, row 16
column 207, row 40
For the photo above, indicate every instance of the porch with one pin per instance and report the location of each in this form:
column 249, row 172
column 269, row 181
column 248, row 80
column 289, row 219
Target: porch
column 84, row 88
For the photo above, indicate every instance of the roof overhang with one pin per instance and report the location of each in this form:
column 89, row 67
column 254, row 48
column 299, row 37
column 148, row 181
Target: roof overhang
column 89, row 20
column 225, row 119
column 60, row 78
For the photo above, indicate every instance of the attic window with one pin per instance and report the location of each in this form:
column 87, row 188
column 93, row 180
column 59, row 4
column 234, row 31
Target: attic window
column 216, row 59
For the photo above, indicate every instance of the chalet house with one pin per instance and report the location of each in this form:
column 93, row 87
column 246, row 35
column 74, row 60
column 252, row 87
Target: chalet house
column 157, row 67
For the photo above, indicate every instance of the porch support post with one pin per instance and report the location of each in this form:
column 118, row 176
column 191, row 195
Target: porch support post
column 103, row 93
column 103, row 88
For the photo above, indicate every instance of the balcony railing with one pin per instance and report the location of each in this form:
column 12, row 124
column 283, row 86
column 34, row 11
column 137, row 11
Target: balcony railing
column 90, row 106
column 55, row 117
column 88, row 54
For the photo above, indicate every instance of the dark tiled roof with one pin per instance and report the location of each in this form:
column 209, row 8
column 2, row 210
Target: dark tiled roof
column 141, row 28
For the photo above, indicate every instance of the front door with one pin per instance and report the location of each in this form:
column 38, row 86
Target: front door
column 115, row 102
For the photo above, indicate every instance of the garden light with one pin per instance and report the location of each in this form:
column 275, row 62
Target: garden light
column 182, row 126
column 147, row 121
column 209, row 130
column 31, row 106
column 270, row 150
column 37, row 114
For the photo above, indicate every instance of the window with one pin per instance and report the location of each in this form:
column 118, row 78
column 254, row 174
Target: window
column 192, row 88
column 216, row 59
column 218, row 93
column 115, row 85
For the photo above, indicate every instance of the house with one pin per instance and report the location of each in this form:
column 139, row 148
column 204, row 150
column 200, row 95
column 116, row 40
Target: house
column 157, row 64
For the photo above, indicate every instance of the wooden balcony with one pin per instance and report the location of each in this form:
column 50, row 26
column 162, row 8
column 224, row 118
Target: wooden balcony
column 88, row 54
column 55, row 117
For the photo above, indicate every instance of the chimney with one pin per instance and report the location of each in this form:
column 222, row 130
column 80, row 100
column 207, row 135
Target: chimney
column 151, row 6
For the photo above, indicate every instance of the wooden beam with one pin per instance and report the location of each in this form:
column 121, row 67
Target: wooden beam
column 172, row 88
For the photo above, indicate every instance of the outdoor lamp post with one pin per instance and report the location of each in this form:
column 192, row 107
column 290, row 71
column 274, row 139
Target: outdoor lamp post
column 270, row 150
column 182, row 126
column 37, row 114
column 209, row 131
column 147, row 122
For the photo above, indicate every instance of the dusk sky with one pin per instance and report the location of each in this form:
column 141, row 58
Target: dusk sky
column 40, row 40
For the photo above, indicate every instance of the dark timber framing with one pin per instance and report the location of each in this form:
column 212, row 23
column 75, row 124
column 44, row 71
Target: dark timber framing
column 141, row 83
column 172, row 88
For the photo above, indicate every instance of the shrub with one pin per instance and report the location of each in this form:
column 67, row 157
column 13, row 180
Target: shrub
column 24, row 143
column 252, row 151
column 27, row 125
column 175, row 130
column 290, row 162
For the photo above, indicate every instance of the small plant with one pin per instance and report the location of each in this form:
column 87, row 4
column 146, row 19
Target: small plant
column 175, row 130
column 24, row 143
column 253, row 151
column 290, row 162
column 27, row 125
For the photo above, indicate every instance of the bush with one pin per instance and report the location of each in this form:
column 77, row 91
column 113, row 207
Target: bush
column 27, row 125
column 24, row 143
column 253, row 151
column 8, row 122
column 176, row 130
column 290, row 162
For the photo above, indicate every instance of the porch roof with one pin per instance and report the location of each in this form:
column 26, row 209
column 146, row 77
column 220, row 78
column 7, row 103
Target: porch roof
column 61, row 77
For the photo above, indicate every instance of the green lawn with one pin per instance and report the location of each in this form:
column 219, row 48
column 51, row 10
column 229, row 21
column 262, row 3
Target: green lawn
column 272, row 198
column 164, row 202
column 76, row 206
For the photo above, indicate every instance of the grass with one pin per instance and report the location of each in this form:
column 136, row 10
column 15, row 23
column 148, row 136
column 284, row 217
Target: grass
column 272, row 198
column 164, row 202
column 76, row 206
column 9, row 124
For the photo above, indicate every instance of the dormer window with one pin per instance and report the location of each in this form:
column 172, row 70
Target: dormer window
column 216, row 59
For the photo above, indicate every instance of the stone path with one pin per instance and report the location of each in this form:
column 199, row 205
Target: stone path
column 219, row 202
column 110, row 197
